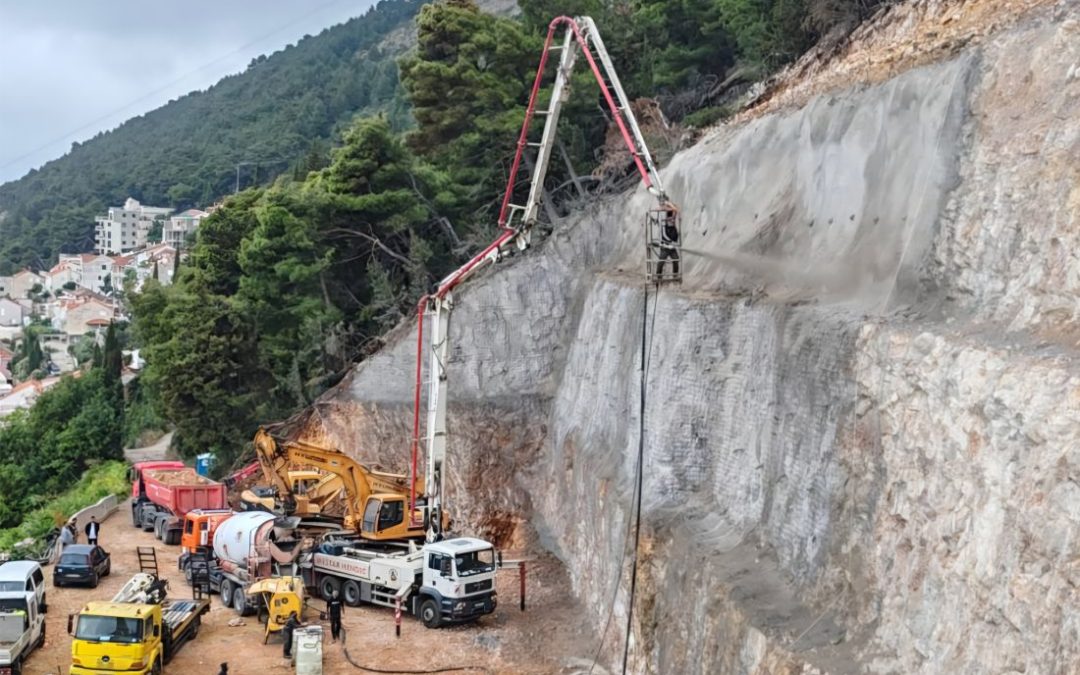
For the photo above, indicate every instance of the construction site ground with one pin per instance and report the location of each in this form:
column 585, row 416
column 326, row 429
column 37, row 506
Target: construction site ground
column 539, row 640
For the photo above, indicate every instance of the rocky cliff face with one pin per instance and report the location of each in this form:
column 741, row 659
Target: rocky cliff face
column 860, row 426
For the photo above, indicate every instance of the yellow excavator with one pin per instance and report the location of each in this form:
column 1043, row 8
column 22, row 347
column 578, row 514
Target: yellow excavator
column 376, row 502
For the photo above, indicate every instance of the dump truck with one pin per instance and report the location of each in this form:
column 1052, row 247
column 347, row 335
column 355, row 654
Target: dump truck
column 162, row 492
column 450, row 581
column 22, row 629
column 138, row 632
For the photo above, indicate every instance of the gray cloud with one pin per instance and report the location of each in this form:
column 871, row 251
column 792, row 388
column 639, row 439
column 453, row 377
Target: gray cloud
column 74, row 66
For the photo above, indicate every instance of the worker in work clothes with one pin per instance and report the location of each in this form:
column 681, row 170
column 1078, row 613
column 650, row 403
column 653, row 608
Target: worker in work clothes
column 92, row 530
column 286, row 634
column 66, row 538
column 334, row 608
column 73, row 525
column 669, row 240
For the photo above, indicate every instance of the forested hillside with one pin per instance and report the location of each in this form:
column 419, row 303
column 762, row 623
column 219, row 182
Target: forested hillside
column 291, row 283
column 280, row 114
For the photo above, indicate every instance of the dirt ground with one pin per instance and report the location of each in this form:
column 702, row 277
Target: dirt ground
column 546, row 638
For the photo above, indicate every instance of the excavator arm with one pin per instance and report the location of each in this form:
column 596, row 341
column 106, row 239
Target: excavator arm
column 366, row 490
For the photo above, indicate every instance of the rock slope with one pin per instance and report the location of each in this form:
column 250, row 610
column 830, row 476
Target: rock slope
column 861, row 433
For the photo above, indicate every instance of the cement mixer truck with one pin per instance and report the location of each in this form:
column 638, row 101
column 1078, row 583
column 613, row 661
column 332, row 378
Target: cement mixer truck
column 250, row 546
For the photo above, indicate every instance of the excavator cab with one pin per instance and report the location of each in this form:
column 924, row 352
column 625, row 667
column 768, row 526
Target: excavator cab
column 384, row 519
column 663, row 245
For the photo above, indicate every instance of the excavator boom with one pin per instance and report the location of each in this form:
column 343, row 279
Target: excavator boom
column 579, row 37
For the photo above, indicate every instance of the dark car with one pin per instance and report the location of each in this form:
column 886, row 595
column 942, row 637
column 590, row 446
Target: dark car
column 81, row 564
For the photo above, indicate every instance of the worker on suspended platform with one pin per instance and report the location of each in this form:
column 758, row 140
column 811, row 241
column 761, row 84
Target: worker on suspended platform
column 669, row 241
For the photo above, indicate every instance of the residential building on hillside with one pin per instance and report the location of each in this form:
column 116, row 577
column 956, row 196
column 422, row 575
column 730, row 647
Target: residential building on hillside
column 7, row 381
column 23, row 396
column 12, row 314
column 83, row 314
column 96, row 273
column 68, row 270
column 180, row 226
column 20, row 284
column 126, row 227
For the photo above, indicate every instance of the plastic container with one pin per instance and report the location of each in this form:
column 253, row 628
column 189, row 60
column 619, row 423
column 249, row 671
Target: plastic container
column 203, row 463
column 307, row 652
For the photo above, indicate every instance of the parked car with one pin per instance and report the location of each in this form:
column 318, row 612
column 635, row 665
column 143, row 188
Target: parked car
column 24, row 576
column 81, row 564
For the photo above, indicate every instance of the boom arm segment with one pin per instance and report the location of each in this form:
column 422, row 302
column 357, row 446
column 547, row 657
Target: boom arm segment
column 580, row 34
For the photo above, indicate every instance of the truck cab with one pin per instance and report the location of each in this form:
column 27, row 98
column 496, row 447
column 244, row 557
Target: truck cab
column 116, row 636
column 458, row 581
column 198, row 532
column 22, row 629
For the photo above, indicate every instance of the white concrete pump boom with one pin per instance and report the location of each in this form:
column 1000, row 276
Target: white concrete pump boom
column 515, row 228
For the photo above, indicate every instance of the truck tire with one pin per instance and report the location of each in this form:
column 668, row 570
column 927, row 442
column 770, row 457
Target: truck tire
column 240, row 603
column 16, row 668
column 328, row 586
column 108, row 567
column 148, row 520
column 159, row 529
column 430, row 614
column 172, row 537
column 156, row 670
column 195, row 628
column 226, row 592
column 350, row 593
column 135, row 515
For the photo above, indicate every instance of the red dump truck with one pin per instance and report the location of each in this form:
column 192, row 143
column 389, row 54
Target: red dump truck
column 162, row 492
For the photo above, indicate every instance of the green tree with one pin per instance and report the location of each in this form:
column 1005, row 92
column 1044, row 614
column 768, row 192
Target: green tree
column 468, row 82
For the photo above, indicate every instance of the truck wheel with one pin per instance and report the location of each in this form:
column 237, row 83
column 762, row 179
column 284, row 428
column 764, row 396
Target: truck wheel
column 172, row 537
column 16, row 668
column 108, row 567
column 135, row 515
column 240, row 603
column 226, row 592
column 159, row 529
column 195, row 627
column 350, row 593
column 44, row 604
column 328, row 586
column 148, row 522
column 429, row 614
column 156, row 670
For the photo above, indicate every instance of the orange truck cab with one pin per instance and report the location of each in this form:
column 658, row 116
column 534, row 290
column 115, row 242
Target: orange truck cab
column 198, row 532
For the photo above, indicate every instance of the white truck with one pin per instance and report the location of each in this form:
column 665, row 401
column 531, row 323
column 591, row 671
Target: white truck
column 450, row 581
column 22, row 629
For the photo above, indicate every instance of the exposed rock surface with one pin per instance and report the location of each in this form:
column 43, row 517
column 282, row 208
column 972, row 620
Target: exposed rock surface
column 862, row 414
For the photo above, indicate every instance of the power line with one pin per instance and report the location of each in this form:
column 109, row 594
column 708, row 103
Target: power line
column 170, row 84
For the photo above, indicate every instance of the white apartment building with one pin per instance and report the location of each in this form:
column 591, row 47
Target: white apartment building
column 125, row 227
column 180, row 226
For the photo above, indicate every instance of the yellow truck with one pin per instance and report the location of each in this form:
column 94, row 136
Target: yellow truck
column 133, row 635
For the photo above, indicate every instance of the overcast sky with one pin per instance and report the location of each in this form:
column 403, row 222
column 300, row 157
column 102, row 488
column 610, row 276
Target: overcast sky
column 72, row 68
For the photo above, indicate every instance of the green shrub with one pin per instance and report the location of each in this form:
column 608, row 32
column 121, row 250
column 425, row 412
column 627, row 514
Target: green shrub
column 107, row 478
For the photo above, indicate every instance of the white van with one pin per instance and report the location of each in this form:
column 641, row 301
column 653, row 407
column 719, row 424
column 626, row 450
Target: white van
column 17, row 576
column 22, row 629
